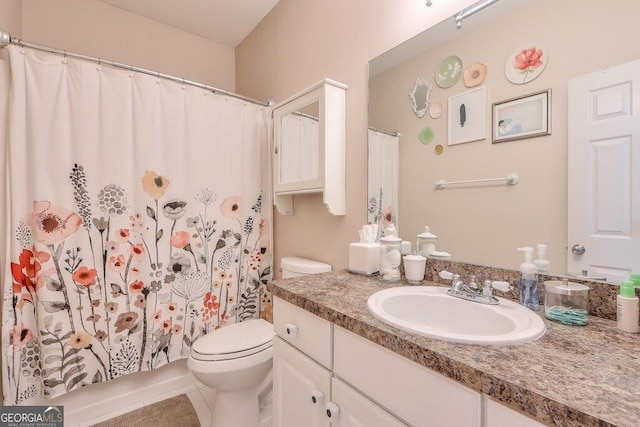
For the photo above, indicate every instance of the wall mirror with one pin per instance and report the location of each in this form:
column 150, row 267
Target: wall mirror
column 420, row 96
column 484, row 224
column 299, row 150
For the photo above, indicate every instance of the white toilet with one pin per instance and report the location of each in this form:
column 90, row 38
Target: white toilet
column 293, row 266
column 236, row 361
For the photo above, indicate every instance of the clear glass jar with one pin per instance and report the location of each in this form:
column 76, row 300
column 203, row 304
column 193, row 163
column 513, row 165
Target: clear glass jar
column 566, row 302
column 390, row 259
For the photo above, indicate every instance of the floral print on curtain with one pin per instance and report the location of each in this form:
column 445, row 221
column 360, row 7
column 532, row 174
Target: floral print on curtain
column 105, row 288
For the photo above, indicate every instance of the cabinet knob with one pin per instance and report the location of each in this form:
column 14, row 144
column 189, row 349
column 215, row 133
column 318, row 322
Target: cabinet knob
column 291, row 330
column 332, row 411
column 317, row 397
column 276, row 149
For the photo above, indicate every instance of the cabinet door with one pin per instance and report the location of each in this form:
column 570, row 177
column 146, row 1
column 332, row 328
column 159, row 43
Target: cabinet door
column 499, row 415
column 419, row 395
column 355, row 410
column 301, row 388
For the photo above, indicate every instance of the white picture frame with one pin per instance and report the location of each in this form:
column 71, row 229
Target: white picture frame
column 467, row 116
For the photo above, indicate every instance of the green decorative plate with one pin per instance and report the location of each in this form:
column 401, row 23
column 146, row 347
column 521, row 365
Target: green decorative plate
column 448, row 72
column 426, row 135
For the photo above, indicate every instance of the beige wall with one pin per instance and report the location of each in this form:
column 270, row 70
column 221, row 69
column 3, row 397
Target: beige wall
column 301, row 42
column 485, row 225
column 11, row 17
column 94, row 28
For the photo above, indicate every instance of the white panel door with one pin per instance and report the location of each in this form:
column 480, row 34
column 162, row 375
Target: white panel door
column 358, row 411
column 604, row 173
column 301, row 388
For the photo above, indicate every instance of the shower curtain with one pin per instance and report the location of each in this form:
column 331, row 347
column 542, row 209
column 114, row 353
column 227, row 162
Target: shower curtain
column 134, row 221
column 382, row 179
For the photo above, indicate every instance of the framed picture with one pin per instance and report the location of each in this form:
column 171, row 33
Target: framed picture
column 467, row 116
column 523, row 117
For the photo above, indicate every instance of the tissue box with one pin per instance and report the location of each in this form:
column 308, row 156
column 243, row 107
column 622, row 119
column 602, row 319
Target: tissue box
column 364, row 258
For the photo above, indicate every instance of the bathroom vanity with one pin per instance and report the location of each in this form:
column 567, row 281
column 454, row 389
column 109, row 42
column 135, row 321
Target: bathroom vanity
column 334, row 362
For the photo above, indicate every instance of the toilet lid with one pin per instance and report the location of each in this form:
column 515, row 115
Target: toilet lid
column 234, row 341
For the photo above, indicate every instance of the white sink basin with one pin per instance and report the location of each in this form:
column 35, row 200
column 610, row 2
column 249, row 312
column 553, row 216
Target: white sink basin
column 429, row 311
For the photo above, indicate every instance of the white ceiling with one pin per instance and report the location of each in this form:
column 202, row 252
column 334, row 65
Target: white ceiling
column 226, row 22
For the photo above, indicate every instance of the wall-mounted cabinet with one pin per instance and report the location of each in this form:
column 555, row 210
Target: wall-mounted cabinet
column 309, row 146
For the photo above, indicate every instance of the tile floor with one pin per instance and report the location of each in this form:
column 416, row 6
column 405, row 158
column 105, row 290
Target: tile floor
column 201, row 398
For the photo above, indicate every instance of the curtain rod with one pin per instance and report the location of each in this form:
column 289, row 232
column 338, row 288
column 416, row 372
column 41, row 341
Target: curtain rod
column 6, row 39
column 386, row 132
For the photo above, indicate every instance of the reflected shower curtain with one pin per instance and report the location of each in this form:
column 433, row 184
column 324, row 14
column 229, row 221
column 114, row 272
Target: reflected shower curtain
column 382, row 179
column 300, row 144
column 134, row 221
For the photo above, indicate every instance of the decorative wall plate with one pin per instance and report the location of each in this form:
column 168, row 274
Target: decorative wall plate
column 475, row 74
column 426, row 135
column 435, row 110
column 526, row 63
column 448, row 72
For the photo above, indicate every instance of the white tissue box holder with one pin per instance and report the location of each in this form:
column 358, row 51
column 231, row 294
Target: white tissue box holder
column 364, row 258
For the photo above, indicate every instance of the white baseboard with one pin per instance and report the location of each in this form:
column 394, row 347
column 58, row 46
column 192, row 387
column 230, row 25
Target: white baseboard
column 99, row 402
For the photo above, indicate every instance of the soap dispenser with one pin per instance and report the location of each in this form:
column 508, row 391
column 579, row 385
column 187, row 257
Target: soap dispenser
column 541, row 263
column 528, row 287
column 627, row 307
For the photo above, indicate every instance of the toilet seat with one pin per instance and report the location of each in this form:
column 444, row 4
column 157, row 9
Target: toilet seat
column 234, row 341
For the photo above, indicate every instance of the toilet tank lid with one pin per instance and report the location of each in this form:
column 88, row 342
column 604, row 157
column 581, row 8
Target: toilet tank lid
column 235, row 338
column 304, row 265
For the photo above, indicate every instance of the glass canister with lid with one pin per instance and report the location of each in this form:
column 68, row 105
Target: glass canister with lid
column 566, row 302
column 426, row 242
column 390, row 259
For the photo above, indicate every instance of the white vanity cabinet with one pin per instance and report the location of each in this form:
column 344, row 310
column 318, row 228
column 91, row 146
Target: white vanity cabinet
column 309, row 146
column 305, row 391
column 325, row 374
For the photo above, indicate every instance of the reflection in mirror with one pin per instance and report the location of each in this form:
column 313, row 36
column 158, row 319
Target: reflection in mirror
column 382, row 181
column 485, row 223
column 420, row 96
column 299, row 146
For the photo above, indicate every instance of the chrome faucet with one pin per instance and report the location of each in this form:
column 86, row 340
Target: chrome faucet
column 460, row 290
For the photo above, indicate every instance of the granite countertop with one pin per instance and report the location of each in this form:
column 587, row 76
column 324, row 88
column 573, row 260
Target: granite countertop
column 572, row 376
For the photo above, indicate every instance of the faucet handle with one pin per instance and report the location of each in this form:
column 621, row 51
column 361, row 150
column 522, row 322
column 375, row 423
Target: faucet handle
column 490, row 285
column 472, row 282
column 446, row 275
column 502, row 286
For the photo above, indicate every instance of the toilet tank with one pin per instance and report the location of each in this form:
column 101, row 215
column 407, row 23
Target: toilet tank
column 293, row 266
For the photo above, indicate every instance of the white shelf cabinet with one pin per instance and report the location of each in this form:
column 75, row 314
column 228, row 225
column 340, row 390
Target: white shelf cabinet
column 309, row 146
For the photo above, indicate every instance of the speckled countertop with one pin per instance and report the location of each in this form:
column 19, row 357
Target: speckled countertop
column 572, row 376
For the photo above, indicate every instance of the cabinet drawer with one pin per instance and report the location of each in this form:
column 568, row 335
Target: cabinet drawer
column 417, row 394
column 309, row 333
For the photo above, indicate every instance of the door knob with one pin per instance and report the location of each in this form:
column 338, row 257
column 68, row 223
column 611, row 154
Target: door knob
column 578, row 249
